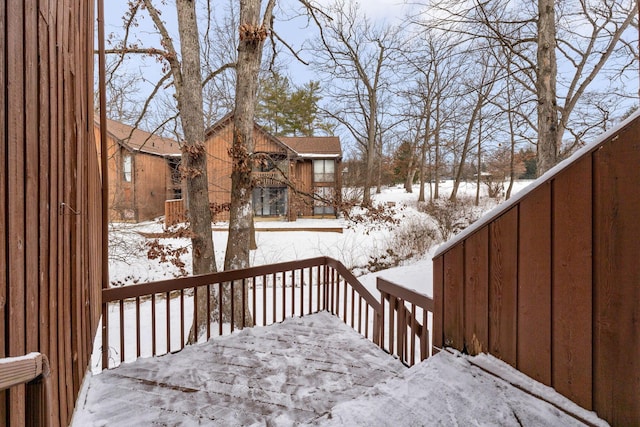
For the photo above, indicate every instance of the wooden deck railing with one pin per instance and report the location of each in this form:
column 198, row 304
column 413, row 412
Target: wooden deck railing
column 155, row 318
column 406, row 318
column 31, row 372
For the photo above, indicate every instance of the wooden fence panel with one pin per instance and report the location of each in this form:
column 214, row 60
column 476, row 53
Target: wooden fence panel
column 503, row 273
column 476, row 293
column 16, row 209
column 50, row 239
column 453, row 302
column 563, row 278
column 3, row 214
column 617, row 278
column 534, row 285
column 571, row 306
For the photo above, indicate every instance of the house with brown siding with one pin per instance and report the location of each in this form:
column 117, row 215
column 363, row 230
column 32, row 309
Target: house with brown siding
column 294, row 176
column 143, row 172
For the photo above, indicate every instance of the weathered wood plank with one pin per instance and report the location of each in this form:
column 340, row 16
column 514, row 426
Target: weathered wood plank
column 534, row 285
column 572, row 283
column 4, row 282
column 44, row 78
column 16, row 333
column 503, row 276
column 438, row 302
column 453, row 313
column 476, row 267
column 616, row 277
column 31, row 166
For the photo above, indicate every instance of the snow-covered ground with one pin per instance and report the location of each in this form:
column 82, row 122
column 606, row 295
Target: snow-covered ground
column 355, row 247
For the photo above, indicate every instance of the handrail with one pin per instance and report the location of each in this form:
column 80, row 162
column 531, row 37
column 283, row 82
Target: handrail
column 408, row 328
column 22, row 369
column 33, row 370
column 182, row 283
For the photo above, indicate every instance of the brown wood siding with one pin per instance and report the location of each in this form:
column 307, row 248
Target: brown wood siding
column 143, row 197
column 572, row 281
column 534, row 285
column 616, row 301
column 303, row 179
column 49, row 196
column 219, row 167
column 563, row 277
column 476, row 294
column 151, row 175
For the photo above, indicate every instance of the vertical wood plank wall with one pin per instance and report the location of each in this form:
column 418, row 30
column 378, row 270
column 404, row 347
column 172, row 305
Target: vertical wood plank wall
column 50, row 205
column 552, row 285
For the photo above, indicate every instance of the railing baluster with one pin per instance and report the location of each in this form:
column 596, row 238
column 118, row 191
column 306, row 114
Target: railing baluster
column 301, row 292
column 244, row 302
column 153, row 324
column 424, row 337
column 273, row 299
column 208, row 311
column 311, row 290
column 220, row 296
column 232, row 295
column 168, row 297
column 195, row 312
column 284, row 297
column 391, row 324
column 121, row 331
column 264, row 300
column 182, row 319
column 137, row 326
column 413, row 334
column 253, row 300
column 293, row 293
column 344, row 303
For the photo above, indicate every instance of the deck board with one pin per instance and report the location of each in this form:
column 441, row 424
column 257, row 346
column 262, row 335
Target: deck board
column 291, row 372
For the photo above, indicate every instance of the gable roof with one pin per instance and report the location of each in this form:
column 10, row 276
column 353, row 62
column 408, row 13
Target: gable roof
column 142, row 141
column 303, row 146
column 314, row 146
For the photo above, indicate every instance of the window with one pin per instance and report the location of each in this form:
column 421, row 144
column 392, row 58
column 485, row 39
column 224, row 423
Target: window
column 270, row 201
column 323, row 204
column 126, row 167
column 324, row 170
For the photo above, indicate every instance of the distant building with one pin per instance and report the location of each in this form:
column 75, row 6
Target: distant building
column 143, row 172
column 294, row 176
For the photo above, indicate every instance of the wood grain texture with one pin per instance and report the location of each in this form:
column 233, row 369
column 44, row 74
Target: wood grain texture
column 49, row 250
column 438, row 302
column 616, row 278
column 503, row 276
column 534, row 285
column 571, row 307
column 453, row 309
column 476, row 294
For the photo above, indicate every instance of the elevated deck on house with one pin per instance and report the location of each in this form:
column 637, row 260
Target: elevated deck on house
column 309, row 370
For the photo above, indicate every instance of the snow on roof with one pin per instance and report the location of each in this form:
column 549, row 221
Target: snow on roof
column 548, row 176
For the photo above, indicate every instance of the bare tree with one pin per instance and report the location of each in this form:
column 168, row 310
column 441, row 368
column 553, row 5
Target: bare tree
column 253, row 32
column 581, row 37
column 356, row 56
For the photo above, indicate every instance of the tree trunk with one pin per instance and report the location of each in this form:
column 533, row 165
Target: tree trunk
column 194, row 158
column 252, row 36
column 546, row 87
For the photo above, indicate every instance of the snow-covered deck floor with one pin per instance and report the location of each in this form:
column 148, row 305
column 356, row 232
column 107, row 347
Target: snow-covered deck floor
column 312, row 370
